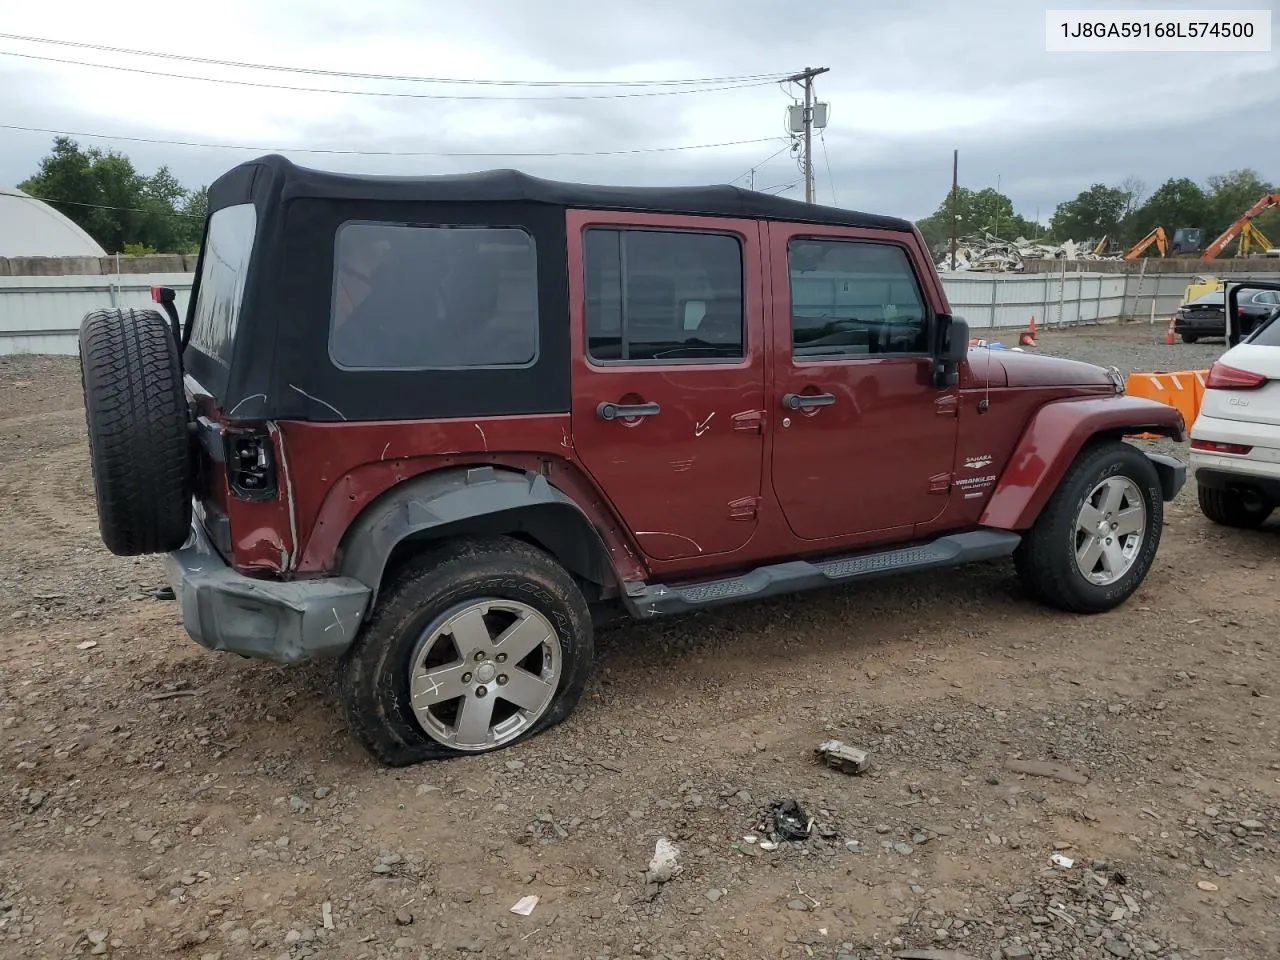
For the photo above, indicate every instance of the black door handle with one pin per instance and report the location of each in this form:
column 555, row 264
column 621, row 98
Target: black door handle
column 801, row 401
column 612, row 411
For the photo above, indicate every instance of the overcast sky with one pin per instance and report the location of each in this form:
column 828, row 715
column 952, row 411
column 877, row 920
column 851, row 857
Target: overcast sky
column 910, row 80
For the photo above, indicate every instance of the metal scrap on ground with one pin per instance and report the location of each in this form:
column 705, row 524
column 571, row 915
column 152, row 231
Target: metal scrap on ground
column 843, row 757
column 990, row 254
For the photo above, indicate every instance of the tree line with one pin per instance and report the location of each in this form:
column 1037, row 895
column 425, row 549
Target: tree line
column 1122, row 212
column 131, row 213
column 125, row 211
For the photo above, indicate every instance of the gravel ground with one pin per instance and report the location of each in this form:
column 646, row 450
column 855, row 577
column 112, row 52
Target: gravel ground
column 157, row 800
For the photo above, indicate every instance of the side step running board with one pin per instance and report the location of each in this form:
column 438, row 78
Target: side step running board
column 655, row 599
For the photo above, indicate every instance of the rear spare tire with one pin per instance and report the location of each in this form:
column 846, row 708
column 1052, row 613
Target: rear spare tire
column 136, row 416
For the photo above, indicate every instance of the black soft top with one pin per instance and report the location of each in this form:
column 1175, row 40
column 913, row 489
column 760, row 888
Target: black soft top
column 292, row 181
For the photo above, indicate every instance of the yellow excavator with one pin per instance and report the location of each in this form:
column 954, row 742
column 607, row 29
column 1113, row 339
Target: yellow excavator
column 1250, row 237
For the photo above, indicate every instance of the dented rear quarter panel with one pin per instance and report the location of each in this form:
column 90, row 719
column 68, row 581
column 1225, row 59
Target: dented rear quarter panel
column 1054, row 436
column 351, row 465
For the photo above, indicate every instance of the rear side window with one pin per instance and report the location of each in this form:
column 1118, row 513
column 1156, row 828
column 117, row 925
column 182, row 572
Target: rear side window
column 663, row 296
column 222, row 274
column 410, row 297
column 852, row 298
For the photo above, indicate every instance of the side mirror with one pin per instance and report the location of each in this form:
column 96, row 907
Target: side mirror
column 951, row 350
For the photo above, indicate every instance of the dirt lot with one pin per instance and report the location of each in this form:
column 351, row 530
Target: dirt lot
column 159, row 800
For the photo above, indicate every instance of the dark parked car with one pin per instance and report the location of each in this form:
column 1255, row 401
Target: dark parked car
column 1204, row 317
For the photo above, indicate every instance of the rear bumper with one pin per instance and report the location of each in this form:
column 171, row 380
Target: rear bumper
column 263, row 619
column 1214, row 477
column 1205, row 326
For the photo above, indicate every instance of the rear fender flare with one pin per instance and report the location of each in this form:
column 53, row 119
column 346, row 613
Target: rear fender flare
column 473, row 500
column 1058, row 431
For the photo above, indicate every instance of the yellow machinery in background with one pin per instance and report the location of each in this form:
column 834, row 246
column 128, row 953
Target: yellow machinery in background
column 1156, row 236
column 1199, row 286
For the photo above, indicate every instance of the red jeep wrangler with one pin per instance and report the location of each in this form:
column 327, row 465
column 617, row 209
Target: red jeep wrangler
column 435, row 426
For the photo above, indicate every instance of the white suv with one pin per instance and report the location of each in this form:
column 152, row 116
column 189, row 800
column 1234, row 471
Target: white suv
column 1235, row 440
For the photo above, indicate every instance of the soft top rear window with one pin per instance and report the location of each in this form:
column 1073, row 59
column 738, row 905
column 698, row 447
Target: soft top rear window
column 222, row 276
column 433, row 297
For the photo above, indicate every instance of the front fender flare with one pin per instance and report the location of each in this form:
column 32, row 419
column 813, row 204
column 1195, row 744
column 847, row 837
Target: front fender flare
column 473, row 500
column 1057, row 433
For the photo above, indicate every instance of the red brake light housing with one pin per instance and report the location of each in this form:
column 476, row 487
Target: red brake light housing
column 1223, row 377
column 1212, row 446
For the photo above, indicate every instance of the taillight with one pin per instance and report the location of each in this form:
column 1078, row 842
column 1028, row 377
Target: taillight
column 251, row 468
column 1212, row 446
column 1223, row 377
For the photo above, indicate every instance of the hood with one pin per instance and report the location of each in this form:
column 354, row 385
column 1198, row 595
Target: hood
column 1033, row 370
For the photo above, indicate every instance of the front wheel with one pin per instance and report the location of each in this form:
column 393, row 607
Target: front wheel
column 1096, row 539
column 473, row 646
column 1189, row 338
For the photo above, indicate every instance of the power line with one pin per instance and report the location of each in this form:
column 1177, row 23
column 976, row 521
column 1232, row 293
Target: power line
column 822, row 137
column 106, row 206
column 781, row 188
column 755, row 166
column 319, row 72
column 388, row 153
column 261, row 85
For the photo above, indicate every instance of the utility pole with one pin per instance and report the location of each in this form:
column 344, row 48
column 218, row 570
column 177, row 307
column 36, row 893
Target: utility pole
column 806, row 76
column 955, row 191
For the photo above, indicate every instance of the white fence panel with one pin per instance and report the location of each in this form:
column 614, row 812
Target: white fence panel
column 43, row 314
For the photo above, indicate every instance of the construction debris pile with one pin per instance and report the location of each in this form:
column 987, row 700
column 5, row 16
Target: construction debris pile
column 989, row 254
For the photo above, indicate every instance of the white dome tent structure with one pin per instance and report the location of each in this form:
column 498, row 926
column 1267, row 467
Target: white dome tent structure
column 31, row 228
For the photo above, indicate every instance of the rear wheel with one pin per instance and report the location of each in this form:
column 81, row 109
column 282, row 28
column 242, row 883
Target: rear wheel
column 1234, row 508
column 473, row 646
column 1189, row 338
column 136, row 415
column 1096, row 539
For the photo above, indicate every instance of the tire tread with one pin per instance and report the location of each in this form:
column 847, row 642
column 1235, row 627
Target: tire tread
column 136, row 417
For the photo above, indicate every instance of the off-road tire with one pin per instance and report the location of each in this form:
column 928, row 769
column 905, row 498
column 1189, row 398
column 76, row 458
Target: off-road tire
column 139, row 444
column 1228, row 508
column 1189, row 338
column 1045, row 560
column 374, row 681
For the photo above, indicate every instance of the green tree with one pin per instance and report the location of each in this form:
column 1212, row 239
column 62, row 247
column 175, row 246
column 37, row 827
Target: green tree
column 1230, row 195
column 116, row 205
column 1178, row 202
column 194, row 210
column 1093, row 214
column 976, row 212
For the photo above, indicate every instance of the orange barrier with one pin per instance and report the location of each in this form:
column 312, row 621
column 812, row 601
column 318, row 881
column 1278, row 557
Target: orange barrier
column 1183, row 389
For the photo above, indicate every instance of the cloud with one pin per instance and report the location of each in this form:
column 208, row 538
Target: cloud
column 910, row 80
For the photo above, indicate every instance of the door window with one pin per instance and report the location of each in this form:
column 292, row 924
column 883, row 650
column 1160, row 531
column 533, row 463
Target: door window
column 657, row 296
column 853, row 298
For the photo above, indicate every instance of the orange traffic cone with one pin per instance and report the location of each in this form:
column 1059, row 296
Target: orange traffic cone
column 1168, row 334
column 1028, row 338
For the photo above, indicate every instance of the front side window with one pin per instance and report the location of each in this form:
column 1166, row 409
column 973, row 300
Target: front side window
column 663, row 296
column 222, row 275
column 412, row 297
column 852, row 298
